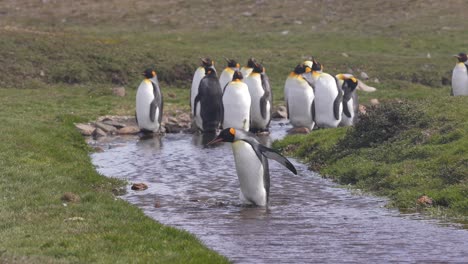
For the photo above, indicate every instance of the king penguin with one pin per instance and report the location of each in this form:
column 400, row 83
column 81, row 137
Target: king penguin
column 207, row 103
column 149, row 103
column 252, row 165
column 460, row 76
column 300, row 98
column 197, row 76
column 228, row 72
column 236, row 104
column 328, row 98
column 246, row 70
column 260, row 93
column 348, row 84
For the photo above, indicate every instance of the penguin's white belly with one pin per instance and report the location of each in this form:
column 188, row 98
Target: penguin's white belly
column 250, row 171
column 300, row 98
column 197, row 76
column 256, row 92
column 236, row 104
column 345, row 120
column 325, row 94
column 225, row 78
column 460, row 80
column 144, row 97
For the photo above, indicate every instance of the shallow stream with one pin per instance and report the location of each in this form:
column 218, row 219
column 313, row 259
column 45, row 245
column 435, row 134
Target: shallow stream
column 309, row 219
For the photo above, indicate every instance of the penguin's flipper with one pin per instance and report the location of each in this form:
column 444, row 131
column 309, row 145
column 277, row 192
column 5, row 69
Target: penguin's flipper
column 312, row 110
column 263, row 105
column 197, row 99
column 274, row 155
column 160, row 111
column 152, row 110
column 346, row 109
column 338, row 101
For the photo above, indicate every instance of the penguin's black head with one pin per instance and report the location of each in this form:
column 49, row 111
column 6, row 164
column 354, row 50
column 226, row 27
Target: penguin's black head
column 251, row 62
column 209, row 70
column 232, row 63
column 227, row 135
column 237, row 76
column 258, row 68
column 461, row 57
column 351, row 83
column 300, row 69
column 206, row 62
column 149, row 73
column 316, row 66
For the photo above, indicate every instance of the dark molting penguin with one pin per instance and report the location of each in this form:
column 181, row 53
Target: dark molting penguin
column 236, row 104
column 260, row 93
column 252, row 165
column 149, row 103
column 197, row 76
column 246, row 70
column 348, row 84
column 228, row 72
column 299, row 96
column 460, row 75
column 207, row 103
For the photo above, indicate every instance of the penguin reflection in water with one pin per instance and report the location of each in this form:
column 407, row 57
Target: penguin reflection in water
column 252, row 165
column 149, row 103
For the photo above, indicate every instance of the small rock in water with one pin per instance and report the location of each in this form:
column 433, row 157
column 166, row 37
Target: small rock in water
column 113, row 123
column 299, row 130
column 98, row 133
column 70, row 197
column 105, row 127
column 157, row 204
column 139, row 186
column 281, row 112
column 128, row 130
column 85, row 129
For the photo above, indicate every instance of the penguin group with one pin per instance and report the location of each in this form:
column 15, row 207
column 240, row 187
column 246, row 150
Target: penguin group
column 316, row 99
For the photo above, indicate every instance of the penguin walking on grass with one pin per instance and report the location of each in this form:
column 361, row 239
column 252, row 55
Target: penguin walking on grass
column 236, row 104
column 460, row 76
column 226, row 75
column 197, row 76
column 348, row 84
column 260, row 93
column 251, row 159
column 207, row 103
column 328, row 98
column 300, row 97
column 149, row 103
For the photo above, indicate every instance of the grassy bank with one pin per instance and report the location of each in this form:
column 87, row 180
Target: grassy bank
column 60, row 60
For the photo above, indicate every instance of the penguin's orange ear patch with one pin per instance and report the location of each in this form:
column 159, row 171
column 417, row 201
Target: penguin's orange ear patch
column 153, row 73
column 232, row 131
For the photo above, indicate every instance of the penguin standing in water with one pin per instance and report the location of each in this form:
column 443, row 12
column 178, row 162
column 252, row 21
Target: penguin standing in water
column 252, row 165
column 197, row 76
column 460, row 76
column 149, row 103
column 236, row 104
column 260, row 93
column 246, row 70
column 228, row 72
column 207, row 103
column 328, row 98
column 348, row 84
column 300, row 98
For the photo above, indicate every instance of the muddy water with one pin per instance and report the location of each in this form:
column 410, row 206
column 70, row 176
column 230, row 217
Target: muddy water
column 309, row 219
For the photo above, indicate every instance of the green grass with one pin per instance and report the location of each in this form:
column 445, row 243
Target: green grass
column 59, row 61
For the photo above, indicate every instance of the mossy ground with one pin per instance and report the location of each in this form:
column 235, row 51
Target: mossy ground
column 60, row 59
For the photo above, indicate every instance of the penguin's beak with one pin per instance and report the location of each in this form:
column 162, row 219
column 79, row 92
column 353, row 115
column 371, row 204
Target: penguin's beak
column 456, row 56
column 216, row 140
